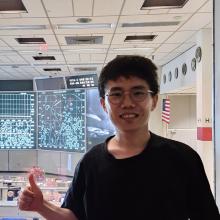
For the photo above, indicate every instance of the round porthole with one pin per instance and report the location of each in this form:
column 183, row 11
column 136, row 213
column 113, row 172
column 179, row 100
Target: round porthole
column 184, row 69
column 198, row 54
column 164, row 78
column 170, row 76
column 193, row 64
column 176, row 72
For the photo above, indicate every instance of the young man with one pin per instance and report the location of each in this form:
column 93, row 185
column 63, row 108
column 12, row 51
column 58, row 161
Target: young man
column 134, row 175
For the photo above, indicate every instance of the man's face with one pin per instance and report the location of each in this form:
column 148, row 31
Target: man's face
column 128, row 103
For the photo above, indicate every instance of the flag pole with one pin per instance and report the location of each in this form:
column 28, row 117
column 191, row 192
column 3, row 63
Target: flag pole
column 165, row 115
column 167, row 97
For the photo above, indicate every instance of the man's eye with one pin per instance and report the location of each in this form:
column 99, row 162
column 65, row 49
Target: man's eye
column 116, row 94
column 138, row 93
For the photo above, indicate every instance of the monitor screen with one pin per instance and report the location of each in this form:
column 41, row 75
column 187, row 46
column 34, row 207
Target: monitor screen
column 53, row 83
column 82, row 81
column 17, row 120
column 61, row 120
column 98, row 125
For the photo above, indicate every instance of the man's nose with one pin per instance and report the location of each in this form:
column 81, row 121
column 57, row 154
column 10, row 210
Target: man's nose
column 127, row 100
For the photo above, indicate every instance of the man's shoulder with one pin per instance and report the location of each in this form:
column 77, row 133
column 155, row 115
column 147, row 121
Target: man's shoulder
column 95, row 152
column 174, row 146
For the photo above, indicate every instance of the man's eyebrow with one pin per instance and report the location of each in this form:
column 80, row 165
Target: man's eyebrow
column 139, row 87
column 115, row 89
column 121, row 89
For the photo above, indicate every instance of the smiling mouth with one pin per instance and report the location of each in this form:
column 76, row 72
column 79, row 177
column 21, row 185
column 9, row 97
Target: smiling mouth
column 128, row 115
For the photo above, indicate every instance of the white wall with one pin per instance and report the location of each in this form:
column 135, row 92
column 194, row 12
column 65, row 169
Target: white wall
column 182, row 125
column 55, row 162
column 155, row 122
column 183, row 111
column 183, row 81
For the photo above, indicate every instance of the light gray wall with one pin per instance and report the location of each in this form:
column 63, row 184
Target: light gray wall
column 55, row 162
column 182, row 111
column 22, row 160
column 155, row 122
column 4, row 160
column 182, row 125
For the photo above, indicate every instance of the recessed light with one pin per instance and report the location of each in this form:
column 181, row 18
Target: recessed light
column 78, row 40
column 84, row 20
column 152, row 4
column 140, row 38
column 12, row 6
column 44, row 57
column 33, row 40
column 52, row 69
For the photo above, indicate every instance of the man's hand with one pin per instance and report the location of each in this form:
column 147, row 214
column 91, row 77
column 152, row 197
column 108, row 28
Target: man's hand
column 31, row 199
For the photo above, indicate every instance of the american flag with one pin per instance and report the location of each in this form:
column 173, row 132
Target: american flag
column 166, row 111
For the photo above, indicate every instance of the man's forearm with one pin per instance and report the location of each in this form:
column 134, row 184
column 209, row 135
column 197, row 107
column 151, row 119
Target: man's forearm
column 53, row 212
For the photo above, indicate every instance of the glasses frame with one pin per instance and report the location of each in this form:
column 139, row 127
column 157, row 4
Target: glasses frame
column 130, row 95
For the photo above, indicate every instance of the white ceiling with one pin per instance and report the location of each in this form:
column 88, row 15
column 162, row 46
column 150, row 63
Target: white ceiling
column 16, row 60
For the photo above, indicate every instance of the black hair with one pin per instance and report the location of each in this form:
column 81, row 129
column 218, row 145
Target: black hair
column 128, row 66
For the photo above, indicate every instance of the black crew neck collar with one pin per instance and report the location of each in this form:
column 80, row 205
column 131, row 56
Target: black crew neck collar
column 148, row 146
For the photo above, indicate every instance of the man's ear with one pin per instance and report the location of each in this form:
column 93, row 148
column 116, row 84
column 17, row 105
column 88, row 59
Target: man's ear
column 154, row 102
column 102, row 101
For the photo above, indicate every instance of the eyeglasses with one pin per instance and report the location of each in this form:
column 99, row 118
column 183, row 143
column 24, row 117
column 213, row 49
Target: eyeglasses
column 136, row 95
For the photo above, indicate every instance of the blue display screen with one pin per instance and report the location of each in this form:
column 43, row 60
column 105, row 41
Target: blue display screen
column 17, row 120
column 61, row 120
column 98, row 124
column 65, row 120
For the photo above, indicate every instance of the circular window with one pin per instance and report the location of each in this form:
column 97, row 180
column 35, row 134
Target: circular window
column 170, row 76
column 176, row 72
column 184, row 69
column 164, row 78
column 193, row 64
column 198, row 54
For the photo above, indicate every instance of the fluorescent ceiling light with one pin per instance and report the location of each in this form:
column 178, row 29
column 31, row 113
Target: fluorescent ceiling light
column 85, row 49
column 150, row 24
column 80, row 69
column 22, row 27
column 133, row 48
column 83, row 26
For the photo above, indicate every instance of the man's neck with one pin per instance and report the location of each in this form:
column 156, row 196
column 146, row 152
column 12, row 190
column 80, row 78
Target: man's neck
column 125, row 145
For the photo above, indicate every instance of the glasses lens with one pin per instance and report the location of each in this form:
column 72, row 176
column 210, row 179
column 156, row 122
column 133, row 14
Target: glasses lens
column 135, row 95
column 115, row 97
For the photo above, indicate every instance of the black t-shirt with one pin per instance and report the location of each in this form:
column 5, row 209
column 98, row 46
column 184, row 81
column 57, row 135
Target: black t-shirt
column 166, row 181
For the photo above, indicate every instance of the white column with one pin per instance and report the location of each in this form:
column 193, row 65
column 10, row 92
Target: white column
column 205, row 146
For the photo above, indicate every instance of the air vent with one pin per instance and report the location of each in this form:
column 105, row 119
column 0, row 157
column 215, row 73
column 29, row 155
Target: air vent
column 35, row 40
column 12, row 6
column 52, row 69
column 140, row 38
column 84, row 40
column 152, row 4
column 85, row 69
column 151, row 24
column 44, row 57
